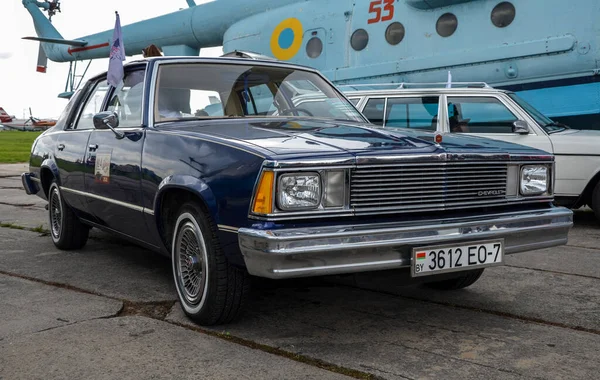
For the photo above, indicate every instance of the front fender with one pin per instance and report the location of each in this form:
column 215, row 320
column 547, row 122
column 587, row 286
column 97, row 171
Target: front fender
column 192, row 184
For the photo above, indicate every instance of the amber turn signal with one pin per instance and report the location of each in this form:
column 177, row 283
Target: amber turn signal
column 263, row 201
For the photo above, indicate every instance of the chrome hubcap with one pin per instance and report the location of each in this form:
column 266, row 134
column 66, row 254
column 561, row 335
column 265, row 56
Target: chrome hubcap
column 191, row 267
column 55, row 213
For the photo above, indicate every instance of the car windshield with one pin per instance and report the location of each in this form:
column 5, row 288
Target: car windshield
column 206, row 90
column 548, row 124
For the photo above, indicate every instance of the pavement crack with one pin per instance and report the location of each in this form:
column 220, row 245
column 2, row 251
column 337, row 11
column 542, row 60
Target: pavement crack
column 17, row 205
column 314, row 362
column 155, row 310
column 553, row 271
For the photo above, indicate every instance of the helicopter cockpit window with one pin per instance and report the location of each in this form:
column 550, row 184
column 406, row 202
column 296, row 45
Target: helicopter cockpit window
column 192, row 90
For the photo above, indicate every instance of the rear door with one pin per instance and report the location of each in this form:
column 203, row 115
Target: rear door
column 113, row 175
column 72, row 145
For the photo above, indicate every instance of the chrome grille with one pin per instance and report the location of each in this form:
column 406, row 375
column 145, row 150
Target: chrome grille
column 427, row 187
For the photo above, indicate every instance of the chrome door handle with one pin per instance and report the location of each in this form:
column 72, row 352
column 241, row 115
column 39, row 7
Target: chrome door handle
column 93, row 147
column 61, row 146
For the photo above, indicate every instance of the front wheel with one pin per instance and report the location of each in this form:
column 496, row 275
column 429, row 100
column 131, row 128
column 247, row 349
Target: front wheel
column 595, row 206
column 210, row 289
column 466, row 279
column 66, row 229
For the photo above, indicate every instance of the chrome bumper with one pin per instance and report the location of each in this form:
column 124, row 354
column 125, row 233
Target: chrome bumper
column 314, row 251
column 30, row 183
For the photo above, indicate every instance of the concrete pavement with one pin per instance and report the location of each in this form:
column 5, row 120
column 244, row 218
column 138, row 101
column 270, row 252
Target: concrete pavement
column 109, row 310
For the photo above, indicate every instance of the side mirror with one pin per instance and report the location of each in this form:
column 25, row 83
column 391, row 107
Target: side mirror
column 108, row 120
column 105, row 120
column 521, row 127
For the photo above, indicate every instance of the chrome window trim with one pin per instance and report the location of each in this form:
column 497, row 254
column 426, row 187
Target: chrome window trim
column 113, row 201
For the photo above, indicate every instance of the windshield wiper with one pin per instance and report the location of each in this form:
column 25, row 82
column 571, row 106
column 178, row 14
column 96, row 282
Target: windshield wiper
column 556, row 124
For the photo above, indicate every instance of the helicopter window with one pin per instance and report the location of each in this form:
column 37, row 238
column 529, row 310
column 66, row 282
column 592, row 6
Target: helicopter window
column 314, row 47
column 446, row 25
column 359, row 39
column 394, row 34
column 92, row 106
column 503, row 14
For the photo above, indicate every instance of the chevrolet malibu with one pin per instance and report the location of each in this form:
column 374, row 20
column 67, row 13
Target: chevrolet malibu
column 213, row 163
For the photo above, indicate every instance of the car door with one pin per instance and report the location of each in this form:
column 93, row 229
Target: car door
column 489, row 116
column 113, row 178
column 72, row 145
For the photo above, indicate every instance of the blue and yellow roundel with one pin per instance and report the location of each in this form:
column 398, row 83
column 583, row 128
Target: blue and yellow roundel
column 286, row 39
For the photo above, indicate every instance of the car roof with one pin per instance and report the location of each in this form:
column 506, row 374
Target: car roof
column 232, row 60
column 422, row 90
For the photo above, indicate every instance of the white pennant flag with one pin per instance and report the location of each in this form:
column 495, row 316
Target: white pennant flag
column 117, row 55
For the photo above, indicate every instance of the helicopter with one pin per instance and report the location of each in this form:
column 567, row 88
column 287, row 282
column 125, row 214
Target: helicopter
column 545, row 50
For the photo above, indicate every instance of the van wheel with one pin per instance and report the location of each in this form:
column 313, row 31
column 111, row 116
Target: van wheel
column 65, row 228
column 466, row 279
column 211, row 291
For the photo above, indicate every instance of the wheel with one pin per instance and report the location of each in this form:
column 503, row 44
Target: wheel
column 66, row 229
column 595, row 206
column 466, row 279
column 211, row 291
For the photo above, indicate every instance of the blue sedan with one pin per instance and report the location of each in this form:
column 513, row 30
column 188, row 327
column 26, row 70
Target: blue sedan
column 236, row 167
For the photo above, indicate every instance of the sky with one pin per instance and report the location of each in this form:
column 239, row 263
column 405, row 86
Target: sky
column 22, row 87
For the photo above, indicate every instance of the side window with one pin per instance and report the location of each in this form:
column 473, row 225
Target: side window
column 64, row 117
column 126, row 100
column 479, row 115
column 354, row 100
column 92, row 106
column 259, row 100
column 373, row 110
column 420, row 112
column 205, row 103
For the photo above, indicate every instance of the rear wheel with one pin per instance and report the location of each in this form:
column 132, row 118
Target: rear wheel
column 65, row 228
column 211, row 290
column 466, row 279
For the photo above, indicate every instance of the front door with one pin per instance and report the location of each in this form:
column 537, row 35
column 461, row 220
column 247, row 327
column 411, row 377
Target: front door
column 488, row 116
column 113, row 178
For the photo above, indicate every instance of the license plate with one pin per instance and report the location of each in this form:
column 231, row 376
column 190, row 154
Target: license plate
column 453, row 258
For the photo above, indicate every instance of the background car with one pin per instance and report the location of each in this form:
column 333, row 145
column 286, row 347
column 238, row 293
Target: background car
column 478, row 109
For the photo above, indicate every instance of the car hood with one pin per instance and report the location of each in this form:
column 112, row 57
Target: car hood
column 297, row 136
column 576, row 141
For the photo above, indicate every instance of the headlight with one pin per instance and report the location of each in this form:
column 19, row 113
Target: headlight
column 299, row 191
column 534, row 179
